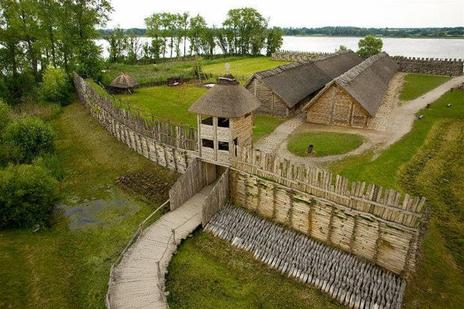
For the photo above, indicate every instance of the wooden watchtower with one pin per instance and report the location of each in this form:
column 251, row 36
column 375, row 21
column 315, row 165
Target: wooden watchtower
column 224, row 119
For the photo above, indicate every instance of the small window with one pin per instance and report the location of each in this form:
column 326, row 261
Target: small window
column 208, row 121
column 223, row 146
column 247, row 115
column 223, row 122
column 207, row 143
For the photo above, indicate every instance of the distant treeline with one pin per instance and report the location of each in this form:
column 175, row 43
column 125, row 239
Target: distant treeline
column 384, row 32
column 349, row 31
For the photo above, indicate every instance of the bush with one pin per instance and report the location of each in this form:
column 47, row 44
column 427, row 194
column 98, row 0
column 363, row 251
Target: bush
column 5, row 115
column 27, row 196
column 56, row 86
column 28, row 138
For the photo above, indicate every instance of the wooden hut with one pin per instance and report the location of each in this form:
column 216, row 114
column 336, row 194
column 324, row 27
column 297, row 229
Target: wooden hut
column 225, row 120
column 283, row 90
column 353, row 98
column 123, row 83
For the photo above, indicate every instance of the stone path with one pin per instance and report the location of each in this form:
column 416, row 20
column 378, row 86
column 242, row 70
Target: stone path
column 404, row 116
column 138, row 282
column 272, row 142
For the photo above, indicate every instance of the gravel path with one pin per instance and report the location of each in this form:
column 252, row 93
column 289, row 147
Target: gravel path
column 272, row 142
column 403, row 117
column 399, row 124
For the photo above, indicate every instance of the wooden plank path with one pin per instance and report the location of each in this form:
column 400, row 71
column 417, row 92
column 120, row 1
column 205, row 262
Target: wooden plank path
column 139, row 278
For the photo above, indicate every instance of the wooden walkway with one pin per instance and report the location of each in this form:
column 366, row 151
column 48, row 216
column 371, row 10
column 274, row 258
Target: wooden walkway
column 139, row 278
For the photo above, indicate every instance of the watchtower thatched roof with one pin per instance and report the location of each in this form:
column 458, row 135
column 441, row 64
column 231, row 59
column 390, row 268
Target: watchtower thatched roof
column 124, row 81
column 367, row 82
column 295, row 82
column 227, row 99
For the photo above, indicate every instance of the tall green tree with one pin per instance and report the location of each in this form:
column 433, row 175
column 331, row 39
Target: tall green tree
column 370, row 45
column 274, row 40
column 197, row 28
column 117, row 41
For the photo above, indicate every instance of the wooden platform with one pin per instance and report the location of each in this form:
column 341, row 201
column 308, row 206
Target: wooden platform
column 139, row 278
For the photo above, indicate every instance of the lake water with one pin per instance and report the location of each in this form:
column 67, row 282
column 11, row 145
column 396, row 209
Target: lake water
column 431, row 48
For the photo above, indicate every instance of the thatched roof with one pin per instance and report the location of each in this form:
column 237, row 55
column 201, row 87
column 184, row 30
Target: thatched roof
column 296, row 81
column 226, row 99
column 124, row 81
column 367, row 82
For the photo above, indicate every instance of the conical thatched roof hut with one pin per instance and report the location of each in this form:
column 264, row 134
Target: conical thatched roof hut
column 226, row 99
column 124, row 82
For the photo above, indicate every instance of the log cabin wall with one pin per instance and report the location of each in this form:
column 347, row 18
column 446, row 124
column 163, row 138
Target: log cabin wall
column 336, row 107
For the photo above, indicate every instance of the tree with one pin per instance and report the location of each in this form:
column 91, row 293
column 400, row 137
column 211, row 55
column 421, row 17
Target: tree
column 56, row 86
column 28, row 195
column 248, row 28
column 117, row 40
column 370, row 45
column 274, row 40
column 197, row 28
column 341, row 48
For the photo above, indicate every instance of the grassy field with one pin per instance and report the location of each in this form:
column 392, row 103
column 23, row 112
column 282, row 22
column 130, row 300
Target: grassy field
column 243, row 67
column 325, row 143
column 207, row 272
column 416, row 85
column 166, row 103
column 264, row 125
column 62, row 268
column 428, row 162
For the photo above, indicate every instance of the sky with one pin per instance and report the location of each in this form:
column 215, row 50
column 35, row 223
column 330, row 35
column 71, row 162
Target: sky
column 303, row 13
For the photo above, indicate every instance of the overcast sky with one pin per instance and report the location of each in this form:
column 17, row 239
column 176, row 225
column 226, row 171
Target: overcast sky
column 304, row 13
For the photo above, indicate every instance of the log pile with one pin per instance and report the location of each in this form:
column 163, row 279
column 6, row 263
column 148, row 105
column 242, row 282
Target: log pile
column 345, row 277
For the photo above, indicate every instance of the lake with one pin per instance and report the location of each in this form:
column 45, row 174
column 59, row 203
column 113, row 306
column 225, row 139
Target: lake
column 430, row 48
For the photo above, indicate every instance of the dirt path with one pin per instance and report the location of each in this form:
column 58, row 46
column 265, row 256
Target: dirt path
column 272, row 142
column 372, row 139
column 403, row 116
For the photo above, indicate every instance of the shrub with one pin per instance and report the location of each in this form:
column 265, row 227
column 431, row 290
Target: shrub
column 28, row 138
column 5, row 115
column 56, row 86
column 27, row 196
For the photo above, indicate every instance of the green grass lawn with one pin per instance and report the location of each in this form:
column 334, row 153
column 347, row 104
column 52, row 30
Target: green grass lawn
column 243, row 69
column 242, row 66
column 165, row 103
column 325, row 143
column 264, row 125
column 208, row 272
column 416, row 85
column 60, row 268
column 429, row 162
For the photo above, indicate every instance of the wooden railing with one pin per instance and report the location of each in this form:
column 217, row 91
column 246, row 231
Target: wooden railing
column 216, row 199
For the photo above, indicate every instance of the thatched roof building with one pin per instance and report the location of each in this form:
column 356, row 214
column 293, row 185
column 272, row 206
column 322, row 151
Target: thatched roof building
column 355, row 96
column 226, row 99
column 124, row 82
column 283, row 89
column 224, row 119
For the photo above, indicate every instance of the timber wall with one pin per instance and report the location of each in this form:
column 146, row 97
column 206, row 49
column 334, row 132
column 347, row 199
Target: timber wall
column 187, row 185
column 380, row 225
column 435, row 66
column 168, row 145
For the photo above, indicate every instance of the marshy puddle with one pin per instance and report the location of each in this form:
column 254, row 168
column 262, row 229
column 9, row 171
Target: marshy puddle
column 97, row 213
